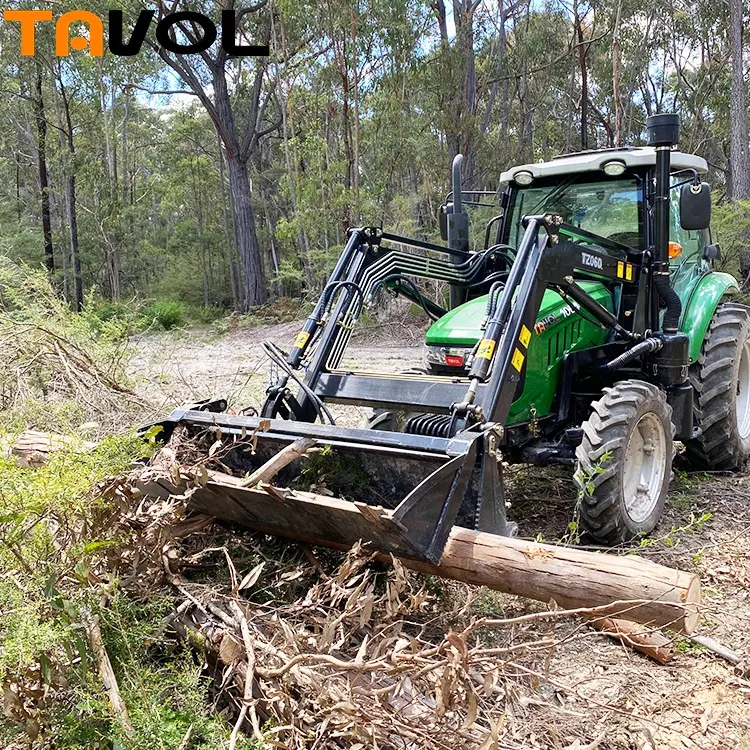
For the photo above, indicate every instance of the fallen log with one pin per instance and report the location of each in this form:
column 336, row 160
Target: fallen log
column 622, row 586
column 31, row 449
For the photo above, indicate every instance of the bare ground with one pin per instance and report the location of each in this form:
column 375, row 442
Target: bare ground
column 596, row 693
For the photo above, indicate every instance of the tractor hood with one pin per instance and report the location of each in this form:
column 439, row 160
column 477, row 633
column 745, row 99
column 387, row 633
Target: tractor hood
column 461, row 327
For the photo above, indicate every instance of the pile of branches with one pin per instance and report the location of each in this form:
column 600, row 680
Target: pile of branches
column 327, row 650
column 49, row 355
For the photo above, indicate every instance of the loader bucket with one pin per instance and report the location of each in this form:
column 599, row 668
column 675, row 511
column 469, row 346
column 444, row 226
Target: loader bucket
column 400, row 494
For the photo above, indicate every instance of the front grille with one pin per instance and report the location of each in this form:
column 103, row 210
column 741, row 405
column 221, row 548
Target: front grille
column 563, row 339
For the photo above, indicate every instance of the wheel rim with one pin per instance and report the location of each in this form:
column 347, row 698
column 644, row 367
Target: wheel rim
column 644, row 467
column 743, row 392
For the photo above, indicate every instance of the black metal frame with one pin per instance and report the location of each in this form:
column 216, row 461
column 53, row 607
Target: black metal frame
column 477, row 407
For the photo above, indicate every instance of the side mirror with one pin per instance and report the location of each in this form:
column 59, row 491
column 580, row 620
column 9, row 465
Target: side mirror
column 695, row 206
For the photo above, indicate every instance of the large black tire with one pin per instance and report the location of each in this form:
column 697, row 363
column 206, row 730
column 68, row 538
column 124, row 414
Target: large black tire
column 624, row 463
column 721, row 384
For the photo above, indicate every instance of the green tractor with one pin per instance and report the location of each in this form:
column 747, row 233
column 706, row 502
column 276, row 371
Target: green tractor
column 590, row 330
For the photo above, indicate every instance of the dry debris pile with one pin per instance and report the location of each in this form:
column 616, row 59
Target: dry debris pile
column 48, row 355
column 362, row 655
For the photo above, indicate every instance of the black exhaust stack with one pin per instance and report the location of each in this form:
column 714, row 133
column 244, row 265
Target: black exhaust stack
column 663, row 133
column 670, row 362
column 457, row 227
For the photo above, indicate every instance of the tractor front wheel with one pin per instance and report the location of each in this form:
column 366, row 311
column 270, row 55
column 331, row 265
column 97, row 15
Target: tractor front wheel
column 721, row 384
column 624, row 463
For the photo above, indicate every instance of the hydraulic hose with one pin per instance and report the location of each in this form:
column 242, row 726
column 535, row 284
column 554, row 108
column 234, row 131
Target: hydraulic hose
column 643, row 347
column 493, row 297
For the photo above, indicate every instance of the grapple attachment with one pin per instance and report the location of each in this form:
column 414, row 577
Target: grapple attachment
column 399, row 493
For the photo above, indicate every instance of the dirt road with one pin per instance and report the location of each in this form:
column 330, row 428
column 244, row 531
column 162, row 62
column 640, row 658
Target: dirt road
column 172, row 368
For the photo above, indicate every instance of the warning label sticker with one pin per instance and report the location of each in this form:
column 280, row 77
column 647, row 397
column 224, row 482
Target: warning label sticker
column 486, row 347
column 301, row 339
column 525, row 336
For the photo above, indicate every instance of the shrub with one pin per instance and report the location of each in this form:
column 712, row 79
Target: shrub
column 166, row 313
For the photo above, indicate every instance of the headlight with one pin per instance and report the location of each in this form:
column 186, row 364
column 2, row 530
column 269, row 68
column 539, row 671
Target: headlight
column 614, row 168
column 524, row 177
column 445, row 356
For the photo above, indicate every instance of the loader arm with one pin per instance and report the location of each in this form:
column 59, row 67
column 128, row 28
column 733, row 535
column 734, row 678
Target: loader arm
column 419, row 485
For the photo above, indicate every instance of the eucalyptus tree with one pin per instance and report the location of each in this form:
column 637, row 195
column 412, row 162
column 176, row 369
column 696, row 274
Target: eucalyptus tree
column 240, row 100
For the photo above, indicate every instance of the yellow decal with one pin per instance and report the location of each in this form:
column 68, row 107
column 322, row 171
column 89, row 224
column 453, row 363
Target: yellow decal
column 486, row 347
column 525, row 336
column 620, row 269
column 301, row 339
column 517, row 360
column 629, row 272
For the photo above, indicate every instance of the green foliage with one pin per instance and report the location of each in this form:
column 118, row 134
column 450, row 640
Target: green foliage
column 55, row 364
column 166, row 695
column 730, row 226
column 572, row 535
column 53, row 532
column 339, row 473
column 168, row 314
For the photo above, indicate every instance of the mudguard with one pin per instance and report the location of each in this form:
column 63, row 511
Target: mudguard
column 701, row 305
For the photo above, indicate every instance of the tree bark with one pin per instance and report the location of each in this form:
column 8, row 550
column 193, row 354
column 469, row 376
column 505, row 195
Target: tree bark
column 617, row 76
column 124, row 150
column 229, row 236
column 356, row 131
column 583, row 49
column 246, row 238
column 72, row 202
column 638, row 637
column 739, row 164
column 41, row 147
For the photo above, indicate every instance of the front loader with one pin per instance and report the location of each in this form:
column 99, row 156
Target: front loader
column 591, row 330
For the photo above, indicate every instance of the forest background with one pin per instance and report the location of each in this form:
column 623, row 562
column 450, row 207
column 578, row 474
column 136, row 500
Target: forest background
column 207, row 183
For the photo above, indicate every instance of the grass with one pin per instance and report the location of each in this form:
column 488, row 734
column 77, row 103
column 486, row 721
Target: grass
column 61, row 544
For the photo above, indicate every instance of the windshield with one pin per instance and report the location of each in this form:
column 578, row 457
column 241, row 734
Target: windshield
column 608, row 208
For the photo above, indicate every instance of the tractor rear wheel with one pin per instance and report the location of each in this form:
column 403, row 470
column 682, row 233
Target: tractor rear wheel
column 624, row 463
column 721, row 384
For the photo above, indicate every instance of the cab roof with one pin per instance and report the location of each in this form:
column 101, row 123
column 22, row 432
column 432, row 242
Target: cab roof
column 592, row 161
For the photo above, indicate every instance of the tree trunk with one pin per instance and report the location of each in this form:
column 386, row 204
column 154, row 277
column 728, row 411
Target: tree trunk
column 617, row 76
column 229, row 236
column 356, row 130
column 739, row 164
column 582, row 51
column 124, row 151
column 245, row 234
column 572, row 577
column 64, row 254
column 204, row 253
column 72, row 204
column 41, row 148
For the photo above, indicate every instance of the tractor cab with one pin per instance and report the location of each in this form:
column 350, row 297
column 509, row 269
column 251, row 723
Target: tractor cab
column 609, row 194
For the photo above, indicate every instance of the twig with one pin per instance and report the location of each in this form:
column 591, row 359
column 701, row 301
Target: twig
column 105, row 670
column 247, row 699
column 716, row 648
